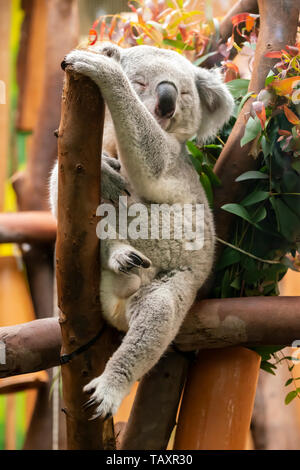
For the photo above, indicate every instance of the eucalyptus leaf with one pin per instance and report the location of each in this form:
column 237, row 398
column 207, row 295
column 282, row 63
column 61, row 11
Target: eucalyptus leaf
column 252, row 130
column 251, row 175
column 255, row 197
column 238, row 88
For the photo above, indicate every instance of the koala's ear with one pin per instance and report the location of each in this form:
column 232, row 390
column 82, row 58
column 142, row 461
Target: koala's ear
column 215, row 100
column 108, row 49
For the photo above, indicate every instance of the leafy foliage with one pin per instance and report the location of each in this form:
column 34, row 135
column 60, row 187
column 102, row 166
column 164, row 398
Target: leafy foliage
column 171, row 24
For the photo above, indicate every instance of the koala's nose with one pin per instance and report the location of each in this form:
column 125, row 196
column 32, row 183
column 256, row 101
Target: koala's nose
column 166, row 99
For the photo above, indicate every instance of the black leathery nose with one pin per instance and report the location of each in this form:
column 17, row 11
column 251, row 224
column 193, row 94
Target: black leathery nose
column 166, row 99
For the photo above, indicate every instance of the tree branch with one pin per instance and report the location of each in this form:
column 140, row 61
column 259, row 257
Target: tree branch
column 27, row 227
column 213, row 323
column 78, row 255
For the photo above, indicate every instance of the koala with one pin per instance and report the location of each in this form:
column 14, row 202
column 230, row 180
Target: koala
column 156, row 100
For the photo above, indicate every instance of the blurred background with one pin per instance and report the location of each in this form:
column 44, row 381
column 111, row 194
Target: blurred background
column 34, row 37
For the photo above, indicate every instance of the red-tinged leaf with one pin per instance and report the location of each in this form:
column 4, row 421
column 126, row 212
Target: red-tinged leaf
column 291, row 117
column 286, row 86
column 292, row 50
column 102, row 30
column 92, row 37
column 250, row 22
column 240, row 18
column 258, row 109
column 287, row 142
column 283, row 132
column 231, row 65
column 112, row 27
column 273, row 55
column 280, row 138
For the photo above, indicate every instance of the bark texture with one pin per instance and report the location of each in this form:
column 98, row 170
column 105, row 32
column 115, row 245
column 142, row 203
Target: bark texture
column 78, row 255
column 213, row 323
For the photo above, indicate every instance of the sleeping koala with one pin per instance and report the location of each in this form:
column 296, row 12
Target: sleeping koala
column 157, row 100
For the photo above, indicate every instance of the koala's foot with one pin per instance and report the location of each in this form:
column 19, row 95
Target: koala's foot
column 105, row 396
column 125, row 258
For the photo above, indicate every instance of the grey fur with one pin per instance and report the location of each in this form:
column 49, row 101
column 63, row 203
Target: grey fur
column 149, row 303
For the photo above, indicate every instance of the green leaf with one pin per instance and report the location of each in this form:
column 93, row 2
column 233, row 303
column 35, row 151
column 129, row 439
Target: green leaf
column 177, row 44
column 259, row 215
column 238, row 210
column 290, row 396
column 212, row 176
column 194, row 150
column 288, row 382
column 266, row 352
column 270, row 78
column 203, row 58
column 205, row 181
column 243, row 101
column 252, row 130
column 268, row 367
column 228, row 257
column 238, row 88
column 255, row 197
column 236, row 283
column 266, row 146
column 252, row 175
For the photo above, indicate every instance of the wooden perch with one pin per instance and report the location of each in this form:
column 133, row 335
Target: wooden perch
column 27, row 227
column 78, row 255
column 213, row 323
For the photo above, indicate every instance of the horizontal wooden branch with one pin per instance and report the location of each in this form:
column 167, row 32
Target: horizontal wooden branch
column 27, row 227
column 249, row 321
column 213, row 323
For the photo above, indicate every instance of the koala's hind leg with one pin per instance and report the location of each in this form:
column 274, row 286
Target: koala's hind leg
column 155, row 314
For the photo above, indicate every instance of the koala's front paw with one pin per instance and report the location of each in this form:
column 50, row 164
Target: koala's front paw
column 125, row 259
column 80, row 61
column 105, row 396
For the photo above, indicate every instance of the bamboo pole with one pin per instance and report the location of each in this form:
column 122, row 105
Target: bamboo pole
column 218, row 400
column 77, row 254
column 31, row 64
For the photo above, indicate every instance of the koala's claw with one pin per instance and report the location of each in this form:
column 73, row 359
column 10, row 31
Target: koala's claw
column 64, row 64
column 132, row 260
column 105, row 397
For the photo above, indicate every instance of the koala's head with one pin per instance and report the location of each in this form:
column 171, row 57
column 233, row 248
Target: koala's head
column 184, row 99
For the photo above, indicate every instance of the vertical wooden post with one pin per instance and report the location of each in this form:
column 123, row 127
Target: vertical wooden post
column 77, row 253
column 218, row 401
column 31, row 64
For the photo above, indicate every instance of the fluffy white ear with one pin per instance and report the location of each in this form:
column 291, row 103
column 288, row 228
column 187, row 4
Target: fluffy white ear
column 216, row 102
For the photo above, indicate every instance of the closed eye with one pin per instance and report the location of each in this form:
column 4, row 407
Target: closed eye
column 185, row 92
column 140, row 84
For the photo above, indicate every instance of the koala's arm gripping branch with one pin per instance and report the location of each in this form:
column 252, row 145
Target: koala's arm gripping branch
column 142, row 144
column 77, row 253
